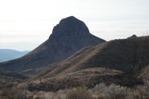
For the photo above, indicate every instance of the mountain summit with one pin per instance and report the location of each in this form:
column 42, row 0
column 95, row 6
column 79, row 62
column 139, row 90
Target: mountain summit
column 70, row 26
column 67, row 37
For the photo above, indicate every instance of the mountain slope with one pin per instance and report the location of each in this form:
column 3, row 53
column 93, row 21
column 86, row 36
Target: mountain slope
column 117, row 61
column 12, row 75
column 9, row 54
column 127, row 55
column 67, row 37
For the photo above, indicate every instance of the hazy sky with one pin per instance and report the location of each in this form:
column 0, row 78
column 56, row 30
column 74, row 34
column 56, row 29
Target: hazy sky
column 25, row 24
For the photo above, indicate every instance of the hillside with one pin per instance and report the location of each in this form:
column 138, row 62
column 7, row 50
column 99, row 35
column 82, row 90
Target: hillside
column 6, row 81
column 9, row 54
column 117, row 61
column 126, row 55
column 12, row 74
column 69, row 36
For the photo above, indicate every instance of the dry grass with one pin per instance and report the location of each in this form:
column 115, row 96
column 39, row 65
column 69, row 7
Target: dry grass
column 88, row 77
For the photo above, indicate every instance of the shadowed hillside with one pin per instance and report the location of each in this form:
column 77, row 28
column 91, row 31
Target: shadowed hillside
column 12, row 74
column 127, row 55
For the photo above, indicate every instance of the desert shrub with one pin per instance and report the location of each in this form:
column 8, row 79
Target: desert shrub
column 140, row 93
column 79, row 93
column 99, row 88
column 110, row 92
column 98, row 91
column 61, row 94
column 116, row 92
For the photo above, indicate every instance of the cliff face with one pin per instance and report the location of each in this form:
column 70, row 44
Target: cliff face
column 67, row 37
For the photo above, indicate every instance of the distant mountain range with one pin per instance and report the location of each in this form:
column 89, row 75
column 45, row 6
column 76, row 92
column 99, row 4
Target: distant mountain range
column 9, row 54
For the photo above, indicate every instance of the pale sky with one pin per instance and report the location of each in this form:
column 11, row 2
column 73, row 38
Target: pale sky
column 25, row 24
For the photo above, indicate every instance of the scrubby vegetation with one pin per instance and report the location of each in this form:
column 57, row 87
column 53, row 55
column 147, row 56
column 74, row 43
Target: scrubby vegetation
column 87, row 84
column 100, row 91
column 79, row 93
column 12, row 93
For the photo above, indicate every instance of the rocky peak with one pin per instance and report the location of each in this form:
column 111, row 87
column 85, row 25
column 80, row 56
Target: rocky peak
column 69, row 36
column 70, row 26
